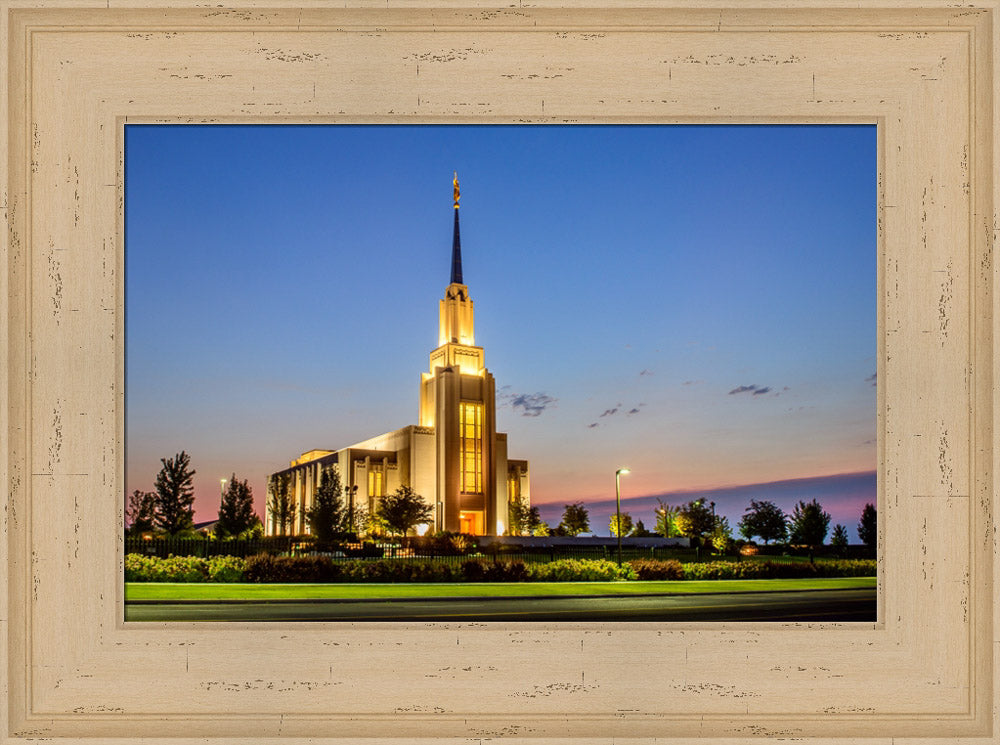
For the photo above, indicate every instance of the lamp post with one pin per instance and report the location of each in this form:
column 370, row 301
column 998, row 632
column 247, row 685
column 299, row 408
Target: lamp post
column 618, row 509
column 222, row 487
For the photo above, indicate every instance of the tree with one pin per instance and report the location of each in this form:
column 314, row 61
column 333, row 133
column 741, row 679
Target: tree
column 868, row 527
column 236, row 513
column 518, row 517
column 666, row 519
column 358, row 520
column 640, row 531
column 809, row 525
column 694, row 520
column 327, row 516
column 175, row 494
column 280, row 502
column 535, row 525
column 765, row 520
column 140, row 513
column 722, row 535
column 839, row 538
column 254, row 532
column 575, row 519
column 626, row 524
column 404, row 509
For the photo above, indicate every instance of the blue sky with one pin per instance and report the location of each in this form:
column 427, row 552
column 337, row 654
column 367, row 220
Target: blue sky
column 695, row 302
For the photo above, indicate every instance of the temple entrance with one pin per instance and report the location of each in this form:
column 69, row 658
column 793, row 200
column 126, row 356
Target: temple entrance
column 470, row 522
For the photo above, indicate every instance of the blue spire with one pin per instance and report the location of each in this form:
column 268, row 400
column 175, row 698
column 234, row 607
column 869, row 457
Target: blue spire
column 456, row 242
column 456, row 254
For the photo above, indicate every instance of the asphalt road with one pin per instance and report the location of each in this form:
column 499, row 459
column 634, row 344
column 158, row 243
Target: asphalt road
column 811, row 605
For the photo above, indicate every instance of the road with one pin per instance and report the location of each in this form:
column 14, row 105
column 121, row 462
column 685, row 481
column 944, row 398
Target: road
column 810, row 605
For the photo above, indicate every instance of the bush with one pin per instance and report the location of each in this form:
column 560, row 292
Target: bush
column 225, row 569
column 579, row 570
column 443, row 543
column 267, row 568
column 657, row 569
column 494, row 571
column 139, row 568
column 779, row 570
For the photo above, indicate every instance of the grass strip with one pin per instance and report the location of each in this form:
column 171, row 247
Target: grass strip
column 208, row 591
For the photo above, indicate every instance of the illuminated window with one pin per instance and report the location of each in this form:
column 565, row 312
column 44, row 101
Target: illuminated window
column 376, row 485
column 470, row 432
column 513, row 487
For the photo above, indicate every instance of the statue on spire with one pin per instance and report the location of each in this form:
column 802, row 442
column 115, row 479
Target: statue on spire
column 454, row 184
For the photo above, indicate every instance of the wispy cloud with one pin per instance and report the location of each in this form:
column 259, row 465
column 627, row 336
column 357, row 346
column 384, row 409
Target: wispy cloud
column 645, row 372
column 753, row 389
column 616, row 409
column 531, row 404
column 592, row 425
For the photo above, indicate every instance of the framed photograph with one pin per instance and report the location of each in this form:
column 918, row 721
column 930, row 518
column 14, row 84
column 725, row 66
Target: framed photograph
column 75, row 77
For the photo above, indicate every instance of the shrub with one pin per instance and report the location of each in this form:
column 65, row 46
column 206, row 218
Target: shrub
column 579, row 570
column 398, row 571
column 140, row 568
column 443, row 543
column 657, row 569
column 267, row 568
column 225, row 569
column 779, row 570
column 494, row 571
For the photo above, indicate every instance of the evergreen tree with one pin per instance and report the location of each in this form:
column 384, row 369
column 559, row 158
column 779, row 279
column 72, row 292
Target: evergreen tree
column 140, row 513
column 175, row 495
column 327, row 516
column 868, row 527
column 839, row 538
column 403, row 510
column 809, row 525
column 538, row 527
column 640, row 531
column 236, row 513
column 280, row 503
column 765, row 520
column 575, row 519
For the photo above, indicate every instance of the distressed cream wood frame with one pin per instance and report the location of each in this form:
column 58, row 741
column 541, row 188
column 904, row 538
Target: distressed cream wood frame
column 76, row 72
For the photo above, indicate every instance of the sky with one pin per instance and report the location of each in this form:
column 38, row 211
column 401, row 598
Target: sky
column 696, row 303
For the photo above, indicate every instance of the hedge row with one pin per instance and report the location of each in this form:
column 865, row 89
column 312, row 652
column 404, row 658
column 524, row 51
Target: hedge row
column 139, row 568
column 671, row 569
column 267, row 568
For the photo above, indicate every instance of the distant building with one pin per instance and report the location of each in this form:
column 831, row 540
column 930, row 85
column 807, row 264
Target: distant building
column 454, row 457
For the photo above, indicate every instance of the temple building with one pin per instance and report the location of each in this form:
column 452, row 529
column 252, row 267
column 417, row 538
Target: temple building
column 453, row 457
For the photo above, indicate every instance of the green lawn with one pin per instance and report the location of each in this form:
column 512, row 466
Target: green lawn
column 240, row 591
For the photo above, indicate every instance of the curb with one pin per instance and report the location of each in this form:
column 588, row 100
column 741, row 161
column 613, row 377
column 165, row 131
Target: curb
column 446, row 598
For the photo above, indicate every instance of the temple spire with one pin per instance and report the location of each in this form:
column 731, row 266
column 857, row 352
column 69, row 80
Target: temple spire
column 456, row 242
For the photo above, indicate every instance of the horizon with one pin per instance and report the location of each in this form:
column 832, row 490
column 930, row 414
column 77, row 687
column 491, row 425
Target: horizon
column 695, row 302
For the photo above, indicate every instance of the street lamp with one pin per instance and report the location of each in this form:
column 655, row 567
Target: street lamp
column 618, row 509
column 222, row 487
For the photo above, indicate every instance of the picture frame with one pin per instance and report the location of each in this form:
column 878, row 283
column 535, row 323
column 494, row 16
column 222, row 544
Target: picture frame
column 76, row 72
